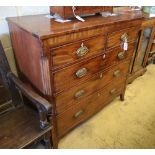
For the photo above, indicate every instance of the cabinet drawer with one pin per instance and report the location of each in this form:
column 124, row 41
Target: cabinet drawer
column 77, row 93
column 117, row 55
column 81, row 72
column 87, row 107
column 76, row 51
column 78, row 73
column 116, row 38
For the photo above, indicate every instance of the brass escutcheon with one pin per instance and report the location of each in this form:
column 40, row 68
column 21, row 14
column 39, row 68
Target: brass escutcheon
column 79, row 113
column 124, row 37
column 79, row 94
column 81, row 72
column 117, row 73
column 121, row 55
column 83, row 50
column 113, row 91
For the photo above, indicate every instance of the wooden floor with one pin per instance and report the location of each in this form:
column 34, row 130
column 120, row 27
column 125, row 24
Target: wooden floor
column 128, row 124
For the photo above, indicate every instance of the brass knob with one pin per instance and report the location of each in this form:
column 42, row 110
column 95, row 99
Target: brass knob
column 121, row 55
column 124, row 37
column 113, row 91
column 103, row 56
column 81, row 72
column 117, row 73
column 98, row 94
column 79, row 94
column 78, row 114
column 101, row 75
column 83, row 50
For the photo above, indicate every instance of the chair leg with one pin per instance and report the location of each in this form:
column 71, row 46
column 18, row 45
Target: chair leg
column 54, row 137
column 47, row 141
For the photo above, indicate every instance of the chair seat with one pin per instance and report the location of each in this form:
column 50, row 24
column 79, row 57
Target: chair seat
column 19, row 128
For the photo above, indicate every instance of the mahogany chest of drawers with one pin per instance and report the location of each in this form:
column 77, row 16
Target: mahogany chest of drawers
column 78, row 66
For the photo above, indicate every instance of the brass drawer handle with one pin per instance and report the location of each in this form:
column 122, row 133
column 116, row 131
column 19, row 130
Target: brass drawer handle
column 81, row 72
column 83, row 50
column 78, row 114
column 121, row 55
column 79, row 94
column 113, row 91
column 117, row 73
column 124, row 37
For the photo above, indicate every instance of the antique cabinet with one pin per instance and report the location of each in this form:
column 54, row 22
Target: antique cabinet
column 145, row 51
column 78, row 66
column 151, row 48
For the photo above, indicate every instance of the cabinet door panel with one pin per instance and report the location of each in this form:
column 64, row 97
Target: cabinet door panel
column 144, row 41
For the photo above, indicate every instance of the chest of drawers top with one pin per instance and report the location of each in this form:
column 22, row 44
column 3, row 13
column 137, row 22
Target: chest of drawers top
column 43, row 27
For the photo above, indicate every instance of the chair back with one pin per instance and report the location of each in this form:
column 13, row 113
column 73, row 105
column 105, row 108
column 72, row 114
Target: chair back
column 9, row 85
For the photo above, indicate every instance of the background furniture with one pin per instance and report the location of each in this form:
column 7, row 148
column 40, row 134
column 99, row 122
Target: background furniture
column 5, row 103
column 144, row 53
column 78, row 66
column 67, row 11
column 27, row 123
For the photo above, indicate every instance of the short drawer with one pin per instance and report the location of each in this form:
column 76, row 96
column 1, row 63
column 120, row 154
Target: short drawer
column 76, row 51
column 118, row 55
column 81, row 72
column 87, row 107
column 117, row 38
column 77, row 93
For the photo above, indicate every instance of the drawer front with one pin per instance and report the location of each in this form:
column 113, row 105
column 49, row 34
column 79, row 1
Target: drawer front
column 117, row 38
column 117, row 55
column 80, row 72
column 76, row 51
column 87, row 107
column 77, row 73
column 77, row 93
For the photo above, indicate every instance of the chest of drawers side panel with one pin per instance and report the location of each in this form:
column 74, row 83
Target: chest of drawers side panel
column 30, row 59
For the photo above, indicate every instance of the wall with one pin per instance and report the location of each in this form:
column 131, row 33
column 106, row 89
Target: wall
column 10, row 11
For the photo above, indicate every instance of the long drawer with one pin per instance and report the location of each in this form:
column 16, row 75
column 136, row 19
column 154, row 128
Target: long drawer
column 80, row 72
column 77, row 93
column 87, row 107
column 76, row 51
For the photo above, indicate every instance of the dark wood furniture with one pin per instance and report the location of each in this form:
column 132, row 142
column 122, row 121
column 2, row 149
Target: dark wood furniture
column 78, row 66
column 4, row 95
column 5, row 103
column 67, row 11
column 144, row 53
column 149, row 23
column 5, row 99
column 25, row 123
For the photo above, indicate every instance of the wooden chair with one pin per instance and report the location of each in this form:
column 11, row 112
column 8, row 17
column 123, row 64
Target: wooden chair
column 26, row 123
